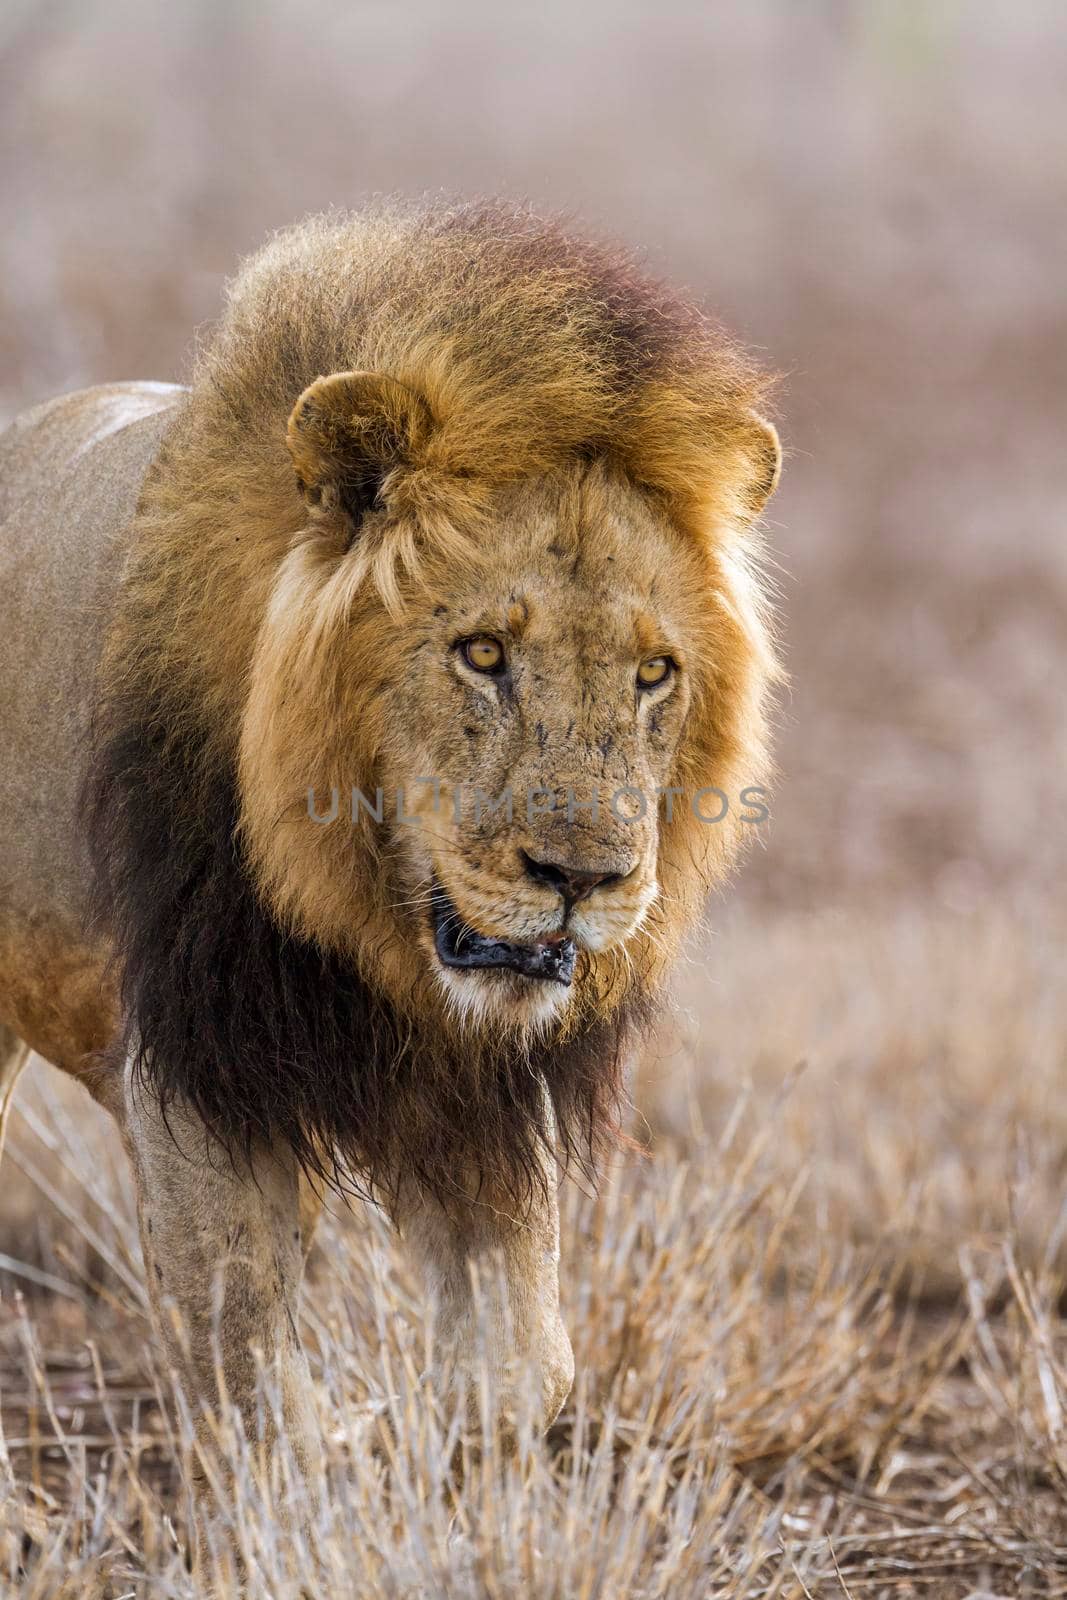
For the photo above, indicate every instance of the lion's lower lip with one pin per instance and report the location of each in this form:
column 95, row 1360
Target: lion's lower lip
column 551, row 960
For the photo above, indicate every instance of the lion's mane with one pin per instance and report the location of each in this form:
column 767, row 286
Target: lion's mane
column 531, row 348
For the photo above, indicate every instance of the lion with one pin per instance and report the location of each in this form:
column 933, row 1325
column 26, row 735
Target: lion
column 357, row 699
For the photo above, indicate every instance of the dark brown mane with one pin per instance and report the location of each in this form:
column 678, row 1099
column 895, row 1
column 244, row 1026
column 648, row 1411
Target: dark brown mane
column 275, row 1041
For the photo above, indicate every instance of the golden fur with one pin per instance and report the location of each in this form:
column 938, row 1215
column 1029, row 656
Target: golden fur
column 506, row 377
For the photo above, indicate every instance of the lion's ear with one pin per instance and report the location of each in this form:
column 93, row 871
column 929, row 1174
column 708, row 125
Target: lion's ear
column 350, row 429
column 763, row 452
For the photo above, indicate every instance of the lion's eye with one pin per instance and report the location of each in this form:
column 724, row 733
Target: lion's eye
column 483, row 654
column 654, row 671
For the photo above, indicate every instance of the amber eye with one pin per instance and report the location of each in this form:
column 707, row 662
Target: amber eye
column 654, row 671
column 483, row 654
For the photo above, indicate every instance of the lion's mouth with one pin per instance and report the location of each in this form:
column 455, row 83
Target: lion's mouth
column 551, row 959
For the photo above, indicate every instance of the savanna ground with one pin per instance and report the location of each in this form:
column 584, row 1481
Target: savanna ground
column 819, row 1323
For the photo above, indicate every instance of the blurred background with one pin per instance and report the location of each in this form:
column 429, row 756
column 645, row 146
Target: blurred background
column 872, row 192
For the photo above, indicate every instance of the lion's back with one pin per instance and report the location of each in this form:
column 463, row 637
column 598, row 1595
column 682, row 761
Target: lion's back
column 70, row 475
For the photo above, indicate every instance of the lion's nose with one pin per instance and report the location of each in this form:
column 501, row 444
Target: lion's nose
column 573, row 883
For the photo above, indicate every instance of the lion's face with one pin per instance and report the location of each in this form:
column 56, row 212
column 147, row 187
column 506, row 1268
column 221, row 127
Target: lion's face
column 536, row 711
column 511, row 691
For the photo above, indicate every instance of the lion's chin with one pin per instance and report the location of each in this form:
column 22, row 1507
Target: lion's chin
column 497, row 1000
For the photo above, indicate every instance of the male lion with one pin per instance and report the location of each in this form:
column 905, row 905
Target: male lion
column 357, row 699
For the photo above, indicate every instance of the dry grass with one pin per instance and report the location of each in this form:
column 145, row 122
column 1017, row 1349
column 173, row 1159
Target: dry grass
column 817, row 1330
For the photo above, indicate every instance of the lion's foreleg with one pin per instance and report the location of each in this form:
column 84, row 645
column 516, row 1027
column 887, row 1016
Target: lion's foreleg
column 494, row 1276
column 309, row 1210
column 223, row 1255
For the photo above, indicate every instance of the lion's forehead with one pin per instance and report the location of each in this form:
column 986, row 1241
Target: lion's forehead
column 602, row 597
column 582, row 531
